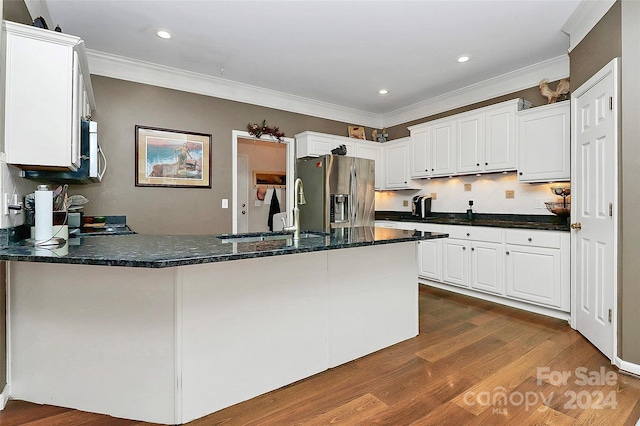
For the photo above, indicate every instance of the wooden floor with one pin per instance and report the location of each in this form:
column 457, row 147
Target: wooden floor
column 474, row 363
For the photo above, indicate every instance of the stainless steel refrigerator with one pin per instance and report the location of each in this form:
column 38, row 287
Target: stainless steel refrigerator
column 339, row 192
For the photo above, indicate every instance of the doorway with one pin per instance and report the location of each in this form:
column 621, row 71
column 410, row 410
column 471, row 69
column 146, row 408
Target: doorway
column 594, row 208
column 260, row 157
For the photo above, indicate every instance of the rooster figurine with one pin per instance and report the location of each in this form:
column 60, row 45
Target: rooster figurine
column 553, row 95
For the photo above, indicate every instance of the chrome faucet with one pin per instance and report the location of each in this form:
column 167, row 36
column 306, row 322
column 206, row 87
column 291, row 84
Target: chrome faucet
column 298, row 194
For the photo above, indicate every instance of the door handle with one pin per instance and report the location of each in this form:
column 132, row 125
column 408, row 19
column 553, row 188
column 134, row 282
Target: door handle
column 576, row 225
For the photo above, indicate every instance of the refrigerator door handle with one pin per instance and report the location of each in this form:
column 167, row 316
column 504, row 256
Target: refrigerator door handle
column 354, row 203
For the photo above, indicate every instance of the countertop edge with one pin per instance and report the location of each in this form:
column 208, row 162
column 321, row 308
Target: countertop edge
column 214, row 258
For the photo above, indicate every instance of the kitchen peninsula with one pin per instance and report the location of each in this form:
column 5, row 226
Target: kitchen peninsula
column 171, row 328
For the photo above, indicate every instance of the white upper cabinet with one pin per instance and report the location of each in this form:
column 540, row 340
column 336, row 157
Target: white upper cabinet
column 478, row 141
column 47, row 93
column 544, row 143
column 443, row 148
column 421, row 152
column 313, row 144
column 500, row 136
column 433, row 149
column 396, row 164
column 470, row 143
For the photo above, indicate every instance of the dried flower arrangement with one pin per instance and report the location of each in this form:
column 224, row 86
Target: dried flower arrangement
column 257, row 130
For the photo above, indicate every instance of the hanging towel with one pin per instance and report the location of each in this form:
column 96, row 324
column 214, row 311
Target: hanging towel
column 269, row 195
column 273, row 209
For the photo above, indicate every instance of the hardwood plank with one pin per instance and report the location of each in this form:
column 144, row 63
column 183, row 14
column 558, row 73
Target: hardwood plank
column 513, row 374
column 549, row 417
column 445, row 414
column 440, row 350
column 357, row 411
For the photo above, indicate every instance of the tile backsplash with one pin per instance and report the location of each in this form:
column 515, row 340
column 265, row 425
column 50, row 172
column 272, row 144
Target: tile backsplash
column 489, row 193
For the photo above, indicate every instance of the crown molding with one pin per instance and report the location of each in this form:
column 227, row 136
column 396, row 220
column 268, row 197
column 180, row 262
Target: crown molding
column 159, row 75
column 525, row 78
column 584, row 18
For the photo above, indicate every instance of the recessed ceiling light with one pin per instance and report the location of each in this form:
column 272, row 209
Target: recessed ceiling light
column 463, row 58
column 383, row 91
column 163, row 34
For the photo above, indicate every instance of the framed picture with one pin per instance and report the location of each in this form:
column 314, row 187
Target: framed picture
column 172, row 158
column 356, row 132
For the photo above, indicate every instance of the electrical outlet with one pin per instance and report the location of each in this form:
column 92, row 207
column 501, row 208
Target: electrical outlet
column 509, row 193
column 405, row 203
column 467, row 187
column 434, row 196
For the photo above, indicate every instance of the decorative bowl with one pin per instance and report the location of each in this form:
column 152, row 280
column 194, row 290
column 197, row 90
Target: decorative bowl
column 559, row 208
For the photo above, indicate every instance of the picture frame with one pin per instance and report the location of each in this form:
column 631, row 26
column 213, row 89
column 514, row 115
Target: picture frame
column 357, row 132
column 269, row 179
column 172, row 158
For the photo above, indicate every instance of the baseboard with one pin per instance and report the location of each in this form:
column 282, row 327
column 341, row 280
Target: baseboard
column 627, row 367
column 501, row 300
column 4, row 397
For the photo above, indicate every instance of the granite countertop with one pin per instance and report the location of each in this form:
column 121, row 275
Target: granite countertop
column 161, row 251
column 543, row 222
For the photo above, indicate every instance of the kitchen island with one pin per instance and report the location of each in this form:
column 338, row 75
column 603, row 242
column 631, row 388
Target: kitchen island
column 171, row 328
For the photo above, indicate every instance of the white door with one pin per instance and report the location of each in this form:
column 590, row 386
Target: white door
column 594, row 207
column 243, row 194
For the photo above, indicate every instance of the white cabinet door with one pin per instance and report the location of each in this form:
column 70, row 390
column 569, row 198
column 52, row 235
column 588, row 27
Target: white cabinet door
column 470, row 143
column 543, row 142
column 455, row 262
column 443, row 150
column 486, row 266
column 311, row 144
column 533, row 274
column 500, row 138
column 396, row 165
column 421, row 152
column 430, row 254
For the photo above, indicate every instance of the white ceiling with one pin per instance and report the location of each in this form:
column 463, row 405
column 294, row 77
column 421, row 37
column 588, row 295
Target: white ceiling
column 338, row 52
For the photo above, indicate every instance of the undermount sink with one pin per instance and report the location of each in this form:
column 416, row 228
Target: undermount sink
column 258, row 237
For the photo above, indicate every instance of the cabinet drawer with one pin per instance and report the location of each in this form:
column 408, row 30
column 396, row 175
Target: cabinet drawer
column 476, row 233
column 534, row 238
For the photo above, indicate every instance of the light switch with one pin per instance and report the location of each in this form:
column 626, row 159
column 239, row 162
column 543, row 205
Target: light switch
column 225, row 203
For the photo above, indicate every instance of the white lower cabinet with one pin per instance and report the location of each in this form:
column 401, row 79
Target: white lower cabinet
column 430, row 259
column 533, row 274
column 538, row 267
column 455, row 262
column 523, row 268
column 486, row 267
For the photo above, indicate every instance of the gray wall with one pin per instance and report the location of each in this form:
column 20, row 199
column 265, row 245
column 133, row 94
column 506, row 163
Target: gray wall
column 629, row 294
column 121, row 105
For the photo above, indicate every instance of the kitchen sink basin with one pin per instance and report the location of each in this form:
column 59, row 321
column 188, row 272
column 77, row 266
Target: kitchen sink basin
column 258, row 237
